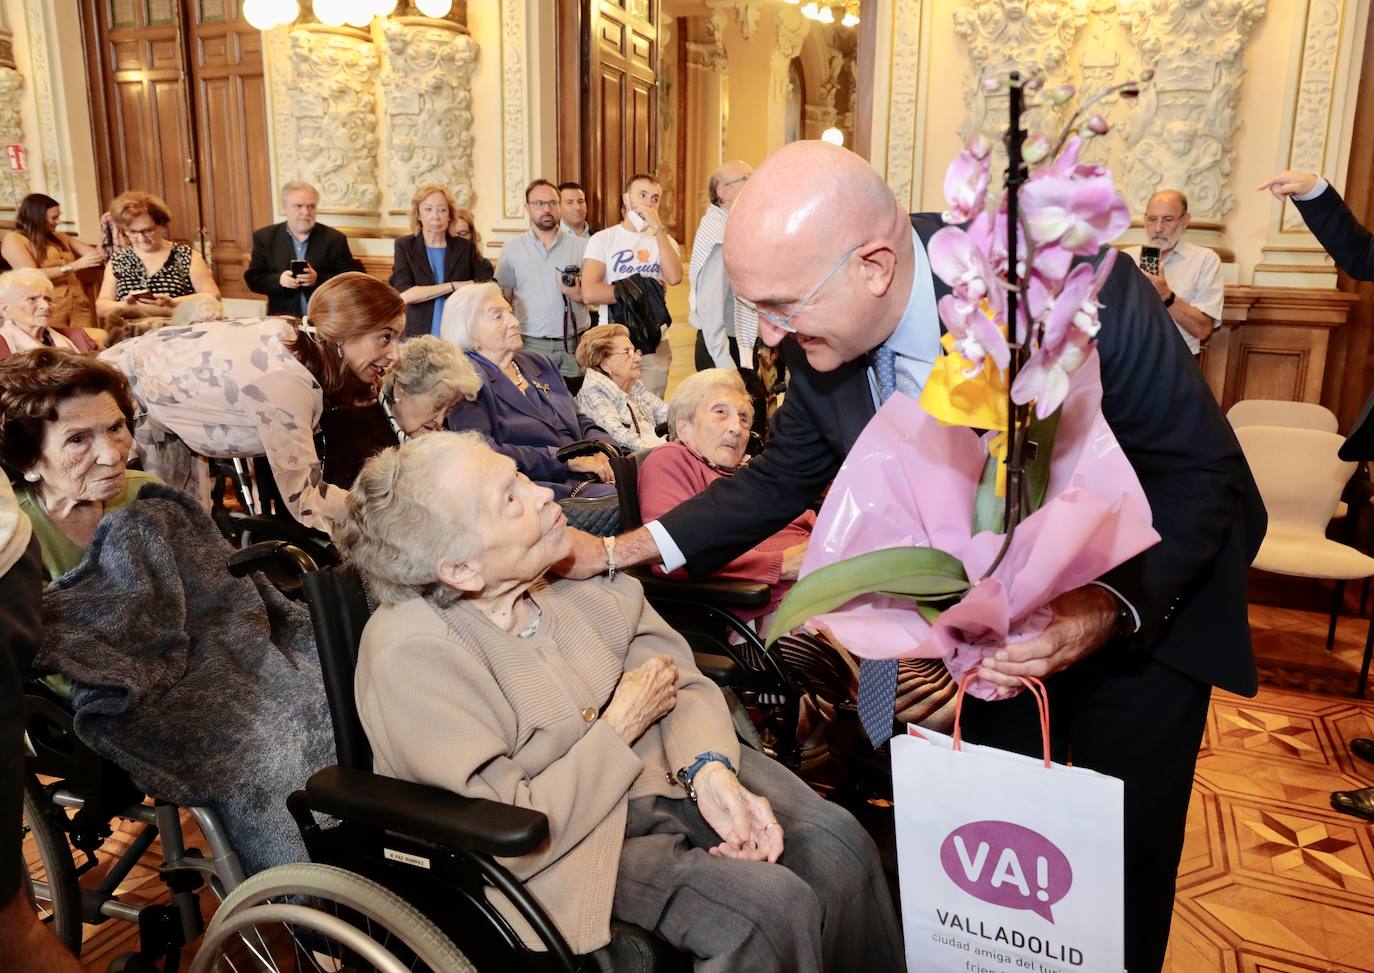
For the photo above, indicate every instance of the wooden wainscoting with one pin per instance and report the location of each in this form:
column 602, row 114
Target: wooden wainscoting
column 1273, row 343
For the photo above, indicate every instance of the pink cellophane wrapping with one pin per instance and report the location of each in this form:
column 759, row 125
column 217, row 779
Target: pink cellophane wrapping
column 910, row 481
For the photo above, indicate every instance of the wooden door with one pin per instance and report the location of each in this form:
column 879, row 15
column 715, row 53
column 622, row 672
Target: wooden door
column 230, row 102
column 140, row 105
column 179, row 109
column 620, row 134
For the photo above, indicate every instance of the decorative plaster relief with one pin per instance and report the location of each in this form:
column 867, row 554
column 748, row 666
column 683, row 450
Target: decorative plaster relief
column 325, row 115
column 12, row 130
column 902, row 103
column 1180, row 132
column 425, row 79
column 747, row 12
column 514, row 137
column 1316, row 86
column 670, row 129
column 1008, row 35
column 1099, row 68
column 42, row 89
column 792, row 30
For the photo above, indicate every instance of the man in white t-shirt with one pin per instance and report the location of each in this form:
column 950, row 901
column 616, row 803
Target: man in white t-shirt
column 1188, row 279
column 638, row 244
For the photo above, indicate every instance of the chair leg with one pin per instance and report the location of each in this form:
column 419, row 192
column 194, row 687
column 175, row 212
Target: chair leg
column 1364, row 597
column 1364, row 664
column 1335, row 614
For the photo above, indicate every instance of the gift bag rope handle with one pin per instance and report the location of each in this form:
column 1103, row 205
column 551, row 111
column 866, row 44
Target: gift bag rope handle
column 1042, row 703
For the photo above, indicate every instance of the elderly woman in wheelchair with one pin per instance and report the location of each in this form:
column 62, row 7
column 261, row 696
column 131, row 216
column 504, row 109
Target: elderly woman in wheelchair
column 480, row 675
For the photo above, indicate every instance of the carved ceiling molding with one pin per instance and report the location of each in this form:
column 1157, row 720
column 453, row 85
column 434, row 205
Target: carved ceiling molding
column 747, row 13
column 425, row 79
column 1180, row 133
column 1007, row 35
column 43, row 94
column 792, row 30
column 1316, row 89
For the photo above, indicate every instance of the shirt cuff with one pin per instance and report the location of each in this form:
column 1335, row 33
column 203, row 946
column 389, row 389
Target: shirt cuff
column 667, row 547
column 1135, row 615
column 1316, row 191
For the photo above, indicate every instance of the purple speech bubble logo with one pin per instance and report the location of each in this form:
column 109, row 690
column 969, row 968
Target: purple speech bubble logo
column 1007, row 865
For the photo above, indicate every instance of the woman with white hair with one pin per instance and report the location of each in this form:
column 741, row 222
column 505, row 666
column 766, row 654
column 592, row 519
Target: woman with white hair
column 709, row 418
column 26, row 306
column 612, row 392
column 524, row 407
column 423, row 385
column 480, row 674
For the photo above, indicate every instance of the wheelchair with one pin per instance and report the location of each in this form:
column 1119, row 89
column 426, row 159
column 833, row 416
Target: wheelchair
column 73, row 798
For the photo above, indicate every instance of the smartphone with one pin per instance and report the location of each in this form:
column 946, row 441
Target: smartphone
column 143, row 297
column 1149, row 260
column 298, row 267
column 637, row 221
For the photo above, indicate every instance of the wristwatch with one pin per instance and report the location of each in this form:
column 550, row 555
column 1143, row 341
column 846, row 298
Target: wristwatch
column 65, row 268
column 1169, row 301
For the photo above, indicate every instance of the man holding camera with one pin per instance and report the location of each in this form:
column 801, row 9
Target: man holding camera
column 1186, row 277
column 291, row 258
column 541, row 273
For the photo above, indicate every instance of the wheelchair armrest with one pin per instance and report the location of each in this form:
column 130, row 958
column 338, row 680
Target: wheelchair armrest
column 265, row 554
column 586, row 447
column 428, row 813
column 720, row 669
column 721, row 592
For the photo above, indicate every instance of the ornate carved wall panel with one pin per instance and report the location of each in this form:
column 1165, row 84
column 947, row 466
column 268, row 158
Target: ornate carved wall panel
column 792, row 30
column 1180, row 133
column 425, row 79
column 1316, row 87
column 325, row 115
column 11, row 130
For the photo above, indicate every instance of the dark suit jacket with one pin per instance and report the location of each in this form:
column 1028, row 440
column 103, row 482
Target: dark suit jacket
column 352, row 436
column 530, row 429
column 410, row 266
column 1339, row 233
column 1189, row 589
column 326, row 250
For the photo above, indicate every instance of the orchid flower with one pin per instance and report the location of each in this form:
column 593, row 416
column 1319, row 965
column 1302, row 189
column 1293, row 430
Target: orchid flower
column 966, row 181
column 1081, row 215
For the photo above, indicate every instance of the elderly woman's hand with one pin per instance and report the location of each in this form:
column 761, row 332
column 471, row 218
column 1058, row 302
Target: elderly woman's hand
column 597, row 465
column 744, row 820
column 644, row 696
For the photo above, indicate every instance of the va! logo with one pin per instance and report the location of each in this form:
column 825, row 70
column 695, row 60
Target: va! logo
column 1007, row 865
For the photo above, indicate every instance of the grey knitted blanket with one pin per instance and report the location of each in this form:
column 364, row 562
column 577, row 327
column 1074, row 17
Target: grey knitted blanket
column 205, row 688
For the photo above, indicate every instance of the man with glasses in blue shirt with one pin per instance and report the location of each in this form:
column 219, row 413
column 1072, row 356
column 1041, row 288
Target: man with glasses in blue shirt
column 839, row 277
column 551, row 312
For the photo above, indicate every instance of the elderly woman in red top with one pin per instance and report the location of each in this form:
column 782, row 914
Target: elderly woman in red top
column 709, row 418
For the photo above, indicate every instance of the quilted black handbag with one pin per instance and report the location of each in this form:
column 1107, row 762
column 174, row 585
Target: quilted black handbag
column 595, row 515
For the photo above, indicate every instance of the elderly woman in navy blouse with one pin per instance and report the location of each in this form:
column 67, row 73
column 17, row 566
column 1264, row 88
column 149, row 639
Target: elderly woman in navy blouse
column 524, row 408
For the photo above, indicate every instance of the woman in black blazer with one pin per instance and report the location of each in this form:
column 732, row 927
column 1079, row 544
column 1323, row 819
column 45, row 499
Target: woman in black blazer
column 434, row 261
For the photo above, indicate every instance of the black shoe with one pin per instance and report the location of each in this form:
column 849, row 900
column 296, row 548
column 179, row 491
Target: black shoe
column 1363, row 747
column 1359, row 803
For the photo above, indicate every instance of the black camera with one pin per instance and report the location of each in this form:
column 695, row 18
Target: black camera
column 570, row 275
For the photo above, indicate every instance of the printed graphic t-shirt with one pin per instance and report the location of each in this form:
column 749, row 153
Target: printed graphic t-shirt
column 626, row 253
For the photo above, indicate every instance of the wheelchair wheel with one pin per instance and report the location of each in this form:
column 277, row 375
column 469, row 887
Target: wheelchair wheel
column 49, row 877
column 320, row 918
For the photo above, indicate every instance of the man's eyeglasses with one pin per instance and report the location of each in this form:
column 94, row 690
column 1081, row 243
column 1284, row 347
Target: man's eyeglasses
column 731, row 182
column 543, row 203
column 784, row 322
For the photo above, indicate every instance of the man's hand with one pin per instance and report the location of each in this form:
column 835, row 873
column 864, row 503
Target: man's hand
column 1083, row 621
column 1162, row 287
column 571, row 293
column 650, row 215
column 743, row 820
column 1290, row 183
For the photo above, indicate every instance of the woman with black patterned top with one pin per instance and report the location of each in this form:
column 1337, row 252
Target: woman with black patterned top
column 152, row 271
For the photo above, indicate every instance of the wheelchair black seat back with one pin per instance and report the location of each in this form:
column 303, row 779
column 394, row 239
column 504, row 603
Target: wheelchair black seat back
column 436, row 849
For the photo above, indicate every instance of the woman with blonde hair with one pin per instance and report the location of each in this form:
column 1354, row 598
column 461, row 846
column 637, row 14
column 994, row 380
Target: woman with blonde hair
column 258, row 386
column 435, row 259
column 612, row 394
column 151, row 270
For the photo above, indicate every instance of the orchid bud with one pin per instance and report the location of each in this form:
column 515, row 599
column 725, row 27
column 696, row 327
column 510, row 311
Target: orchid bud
column 1036, row 148
column 1130, row 91
column 1097, row 125
column 1147, row 75
column 1062, row 94
column 1034, row 84
column 979, row 146
column 990, row 85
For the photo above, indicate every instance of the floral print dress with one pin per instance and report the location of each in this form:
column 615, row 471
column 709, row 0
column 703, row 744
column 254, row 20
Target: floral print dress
column 230, row 389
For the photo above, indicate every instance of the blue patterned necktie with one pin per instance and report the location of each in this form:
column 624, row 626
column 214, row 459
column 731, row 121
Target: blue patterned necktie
column 878, row 677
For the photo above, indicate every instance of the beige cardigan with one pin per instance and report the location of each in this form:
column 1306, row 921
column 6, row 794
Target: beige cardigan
column 448, row 699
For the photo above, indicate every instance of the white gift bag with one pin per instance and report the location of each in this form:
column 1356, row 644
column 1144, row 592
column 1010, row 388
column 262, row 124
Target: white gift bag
column 1007, row 863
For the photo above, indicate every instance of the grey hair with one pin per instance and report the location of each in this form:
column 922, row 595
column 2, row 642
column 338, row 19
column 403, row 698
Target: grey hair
column 26, row 279
column 693, row 390
column 428, row 364
column 201, row 307
column 298, row 185
column 393, row 531
column 1177, row 194
column 461, row 310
